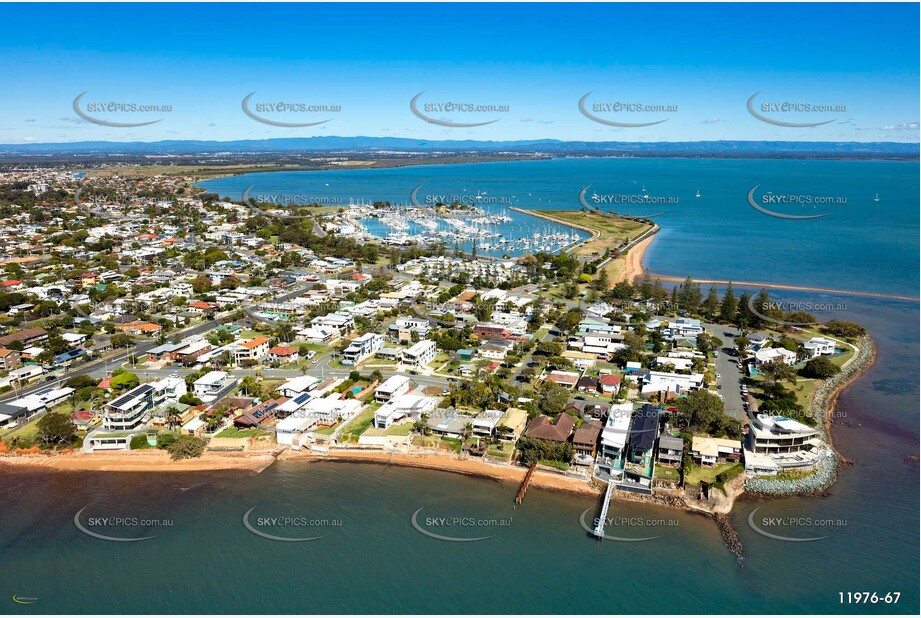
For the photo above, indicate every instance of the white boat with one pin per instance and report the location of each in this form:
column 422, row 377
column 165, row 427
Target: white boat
column 876, row 199
column 698, row 193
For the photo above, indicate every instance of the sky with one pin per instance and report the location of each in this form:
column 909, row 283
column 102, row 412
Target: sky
column 696, row 64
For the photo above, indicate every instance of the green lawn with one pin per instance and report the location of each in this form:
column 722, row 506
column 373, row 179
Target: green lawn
column 28, row 431
column 328, row 431
column 504, row 452
column 234, row 432
column 696, row 474
column 361, row 422
column 667, row 473
column 403, row 429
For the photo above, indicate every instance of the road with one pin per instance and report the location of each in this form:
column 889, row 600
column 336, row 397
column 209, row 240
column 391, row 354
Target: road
column 99, row 367
column 548, row 336
column 730, row 374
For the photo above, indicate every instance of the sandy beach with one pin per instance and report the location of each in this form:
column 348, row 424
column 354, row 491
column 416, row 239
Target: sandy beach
column 513, row 475
column 634, row 266
column 140, row 461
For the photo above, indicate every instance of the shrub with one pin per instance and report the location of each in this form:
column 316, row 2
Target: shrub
column 139, row 442
column 165, row 439
column 186, row 447
column 820, row 368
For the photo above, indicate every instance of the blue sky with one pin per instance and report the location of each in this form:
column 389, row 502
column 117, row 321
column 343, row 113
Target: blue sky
column 702, row 60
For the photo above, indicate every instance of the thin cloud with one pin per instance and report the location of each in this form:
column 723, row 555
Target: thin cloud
column 905, row 126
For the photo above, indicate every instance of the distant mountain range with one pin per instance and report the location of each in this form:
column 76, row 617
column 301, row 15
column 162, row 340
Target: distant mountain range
column 548, row 146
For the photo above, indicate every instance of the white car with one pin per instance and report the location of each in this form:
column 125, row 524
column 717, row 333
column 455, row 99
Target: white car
column 717, row 376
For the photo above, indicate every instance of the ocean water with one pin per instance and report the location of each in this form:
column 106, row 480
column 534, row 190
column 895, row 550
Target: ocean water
column 372, row 559
column 862, row 245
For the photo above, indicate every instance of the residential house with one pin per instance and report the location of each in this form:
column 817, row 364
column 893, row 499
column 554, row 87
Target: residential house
column 558, row 430
column 512, row 424
column 394, row 386
column 708, row 451
column 282, row 354
column 296, row 386
column 770, row 355
column 819, row 346
column 253, row 350
column 788, row 443
column 609, row 384
column 568, row 379
column 131, row 410
column 212, row 385
column 9, row 359
column 361, row 348
column 403, row 407
column 341, row 322
column 419, row 354
column 27, row 337
column 585, row 440
column 671, row 450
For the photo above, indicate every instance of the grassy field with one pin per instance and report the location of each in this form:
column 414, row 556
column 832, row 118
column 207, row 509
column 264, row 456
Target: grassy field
column 360, row 423
column 233, row 432
column 667, row 473
column 403, row 429
column 327, row 431
column 696, row 474
column 611, row 230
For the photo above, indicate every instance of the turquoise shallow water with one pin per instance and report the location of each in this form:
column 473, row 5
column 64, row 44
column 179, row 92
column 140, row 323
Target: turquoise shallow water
column 543, row 562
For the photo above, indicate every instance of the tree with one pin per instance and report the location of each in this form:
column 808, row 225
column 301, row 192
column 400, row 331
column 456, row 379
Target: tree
column 201, row 284
column 711, row 304
column 745, row 317
column 190, row 400
column 121, row 340
column 703, row 412
column 186, row 447
column 729, row 306
column 741, row 345
column 777, row 371
column 124, row 381
column 820, row 368
column 841, row 328
column 56, row 429
column 249, row 386
column 603, row 282
column 622, row 290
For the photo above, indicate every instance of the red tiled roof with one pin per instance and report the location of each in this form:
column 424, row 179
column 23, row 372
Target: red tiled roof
column 558, row 430
column 610, row 379
column 255, row 342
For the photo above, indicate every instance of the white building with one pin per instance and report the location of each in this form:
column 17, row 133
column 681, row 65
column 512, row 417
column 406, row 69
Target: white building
column 788, row 443
column 132, row 409
column 768, row 355
column 402, row 407
column 209, row 386
column 420, row 354
column 394, row 386
column 818, row 346
column 614, row 438
column 296, row 386
column 672, row 382
column 361, row 348
column 341, row 322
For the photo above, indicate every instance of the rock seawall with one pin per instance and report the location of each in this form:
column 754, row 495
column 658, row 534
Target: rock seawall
column 823, row 404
